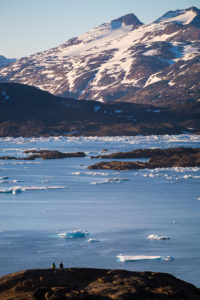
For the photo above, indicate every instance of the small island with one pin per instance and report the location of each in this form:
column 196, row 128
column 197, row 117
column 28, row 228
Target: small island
column 45, row 154
column 158, row 158
column 85, row 284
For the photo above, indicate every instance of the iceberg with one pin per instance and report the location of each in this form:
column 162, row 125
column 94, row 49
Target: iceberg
column 19, row 189
column 15, row 190
column 157, row 237
column 129, row 258
column 74, row 234
column 110, row 180
column 3, row 177
column 93, row 241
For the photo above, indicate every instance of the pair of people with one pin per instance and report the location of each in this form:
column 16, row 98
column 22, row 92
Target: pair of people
column 53, row 266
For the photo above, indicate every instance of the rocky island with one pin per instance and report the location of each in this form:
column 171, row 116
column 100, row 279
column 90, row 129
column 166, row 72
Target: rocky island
column 158, row 158
column 82, row 283
column 45, row 154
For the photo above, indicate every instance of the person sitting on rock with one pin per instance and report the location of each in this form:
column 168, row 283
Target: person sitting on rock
column 53, row 266
column 61, row 265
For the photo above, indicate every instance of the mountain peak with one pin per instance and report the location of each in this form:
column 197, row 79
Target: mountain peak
column 129, row 19
column 180, row 16
column 194, row 8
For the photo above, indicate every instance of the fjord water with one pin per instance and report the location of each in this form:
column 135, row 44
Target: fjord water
column 119, row 210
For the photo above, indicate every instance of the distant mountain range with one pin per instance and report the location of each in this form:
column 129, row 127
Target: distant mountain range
column 123, row 60
column 28, row 111
column 6, row 61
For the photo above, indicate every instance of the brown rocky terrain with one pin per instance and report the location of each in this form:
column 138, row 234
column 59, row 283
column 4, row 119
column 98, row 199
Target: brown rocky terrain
column 79, row 283
column 158, row 158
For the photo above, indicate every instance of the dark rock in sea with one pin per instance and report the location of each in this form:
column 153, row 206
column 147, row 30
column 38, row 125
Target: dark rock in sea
column 81, row 283
column 118, row 165
column 45, row 154
column 52, row 154
column 158, row 158
column 8, row 157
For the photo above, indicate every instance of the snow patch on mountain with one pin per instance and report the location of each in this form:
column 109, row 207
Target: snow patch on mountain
column 152, row 79
column 151, row 52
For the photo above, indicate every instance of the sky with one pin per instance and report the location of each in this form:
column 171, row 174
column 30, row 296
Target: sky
column 31, row 26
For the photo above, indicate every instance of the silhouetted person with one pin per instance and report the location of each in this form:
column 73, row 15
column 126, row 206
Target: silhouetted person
column 61, row 265
column 53, row 266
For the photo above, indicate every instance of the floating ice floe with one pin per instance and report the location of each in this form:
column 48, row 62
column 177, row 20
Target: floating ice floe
column 19, row 189
column 129, row 258
column 159, row 139
column 157, row 237
column 93, row 241
column 74, row 234
column 90, row 173
column 10, row 181
column 3, row 177
column 4, row 181
column 110, row 180
column 76, row 173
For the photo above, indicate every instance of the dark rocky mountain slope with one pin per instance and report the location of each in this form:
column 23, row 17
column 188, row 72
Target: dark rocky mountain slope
column 28, row 111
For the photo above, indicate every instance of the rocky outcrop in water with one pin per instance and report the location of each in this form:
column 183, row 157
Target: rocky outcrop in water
column 45, row 154
column 85, row 284
column 159, row 158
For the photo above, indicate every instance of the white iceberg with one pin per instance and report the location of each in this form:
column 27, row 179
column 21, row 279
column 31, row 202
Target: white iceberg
column 127, row 258
column 157, row 237
column 93, row 241
column 19, row 189
column 74, row 234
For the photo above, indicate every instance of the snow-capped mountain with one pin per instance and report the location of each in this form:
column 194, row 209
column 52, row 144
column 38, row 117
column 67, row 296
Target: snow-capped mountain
column 124, row 60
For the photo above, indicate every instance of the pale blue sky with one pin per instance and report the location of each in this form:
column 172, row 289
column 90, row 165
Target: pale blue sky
column 30, row 26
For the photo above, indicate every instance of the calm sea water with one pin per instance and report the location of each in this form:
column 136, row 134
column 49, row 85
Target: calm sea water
column 41, row 199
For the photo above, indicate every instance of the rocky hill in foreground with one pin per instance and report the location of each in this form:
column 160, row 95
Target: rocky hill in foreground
column 86, row 284
column 28, row 111
column 122, row 60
